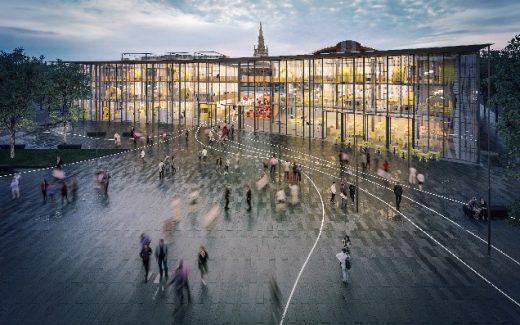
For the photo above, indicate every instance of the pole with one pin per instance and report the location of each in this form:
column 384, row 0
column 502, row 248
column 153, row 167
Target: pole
column 488, row 151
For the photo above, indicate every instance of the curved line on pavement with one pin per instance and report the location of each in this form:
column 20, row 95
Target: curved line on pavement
column 310, row 253
column 409, row 220
column 389, row 189
column 313, row 246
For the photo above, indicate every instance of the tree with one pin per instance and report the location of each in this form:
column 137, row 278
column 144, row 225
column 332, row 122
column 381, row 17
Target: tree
column 506, row 81
column 69, row 84
column 17, row 75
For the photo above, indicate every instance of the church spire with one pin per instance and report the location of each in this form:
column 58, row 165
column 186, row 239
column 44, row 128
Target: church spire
column 261, row 49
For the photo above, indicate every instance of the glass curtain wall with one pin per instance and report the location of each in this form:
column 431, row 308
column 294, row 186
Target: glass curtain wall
column 421, row 102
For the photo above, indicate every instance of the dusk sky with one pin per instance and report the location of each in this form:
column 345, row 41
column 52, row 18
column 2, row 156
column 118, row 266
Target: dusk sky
column 102, row 29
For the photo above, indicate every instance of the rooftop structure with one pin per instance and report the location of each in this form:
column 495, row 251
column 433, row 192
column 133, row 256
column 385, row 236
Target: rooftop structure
column 261, row 50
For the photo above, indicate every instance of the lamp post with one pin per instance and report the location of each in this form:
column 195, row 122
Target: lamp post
column 488, row 150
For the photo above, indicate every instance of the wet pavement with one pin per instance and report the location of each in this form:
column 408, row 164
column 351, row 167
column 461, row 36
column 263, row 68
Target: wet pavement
column 79, row 263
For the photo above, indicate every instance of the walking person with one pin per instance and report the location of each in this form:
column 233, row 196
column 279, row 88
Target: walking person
column 286, row 170
column 368, row 160
column 385, row 166
column 226, row 166
column 398, row 191
column 227, row 191
column 161, row 256
column 232, row 131
column 106, row 180
column 420, row 180
column 161, row 170
column 180, row 282
column 299, row 173
column 44, row 186
column 187, row 135
column 352, row 192
column 204, row 153
column 295, row 171
column 332, row 192
column 412, row 178
column 15, row 188
column 64, row 193
column 248, row 197
column 364, row 161
column 343, row 193
column 273, row 163
column 344, row 261
column 74, row 188
column 145, row 253
column 142, row 155
column 173, row 170
column 203, row 263
column 346, row 242
column 376, row 160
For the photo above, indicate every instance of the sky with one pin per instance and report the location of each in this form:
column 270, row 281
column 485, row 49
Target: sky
column 103, row 29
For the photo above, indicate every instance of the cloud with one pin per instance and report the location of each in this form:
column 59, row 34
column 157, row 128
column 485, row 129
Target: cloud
column 102, row 29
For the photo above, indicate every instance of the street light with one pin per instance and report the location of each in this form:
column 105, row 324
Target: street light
column 488, row 150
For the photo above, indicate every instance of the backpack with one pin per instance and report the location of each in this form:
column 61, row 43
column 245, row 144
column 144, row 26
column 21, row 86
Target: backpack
column 347, row 264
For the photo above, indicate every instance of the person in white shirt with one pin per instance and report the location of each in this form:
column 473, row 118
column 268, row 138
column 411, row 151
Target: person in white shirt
column 15, row 188
column 413, row 176
column 161, row 170
column 344, row 259
column 273, row 162
column 332, row 192
column 420, row 180
column 142, row 155
column 204, row 153
column 286, row 170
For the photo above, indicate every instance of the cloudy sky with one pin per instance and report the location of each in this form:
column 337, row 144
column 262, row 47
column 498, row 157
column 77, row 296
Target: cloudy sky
column 102, row 29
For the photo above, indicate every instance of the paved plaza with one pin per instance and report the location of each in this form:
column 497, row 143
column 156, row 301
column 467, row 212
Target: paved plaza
column 427, row 264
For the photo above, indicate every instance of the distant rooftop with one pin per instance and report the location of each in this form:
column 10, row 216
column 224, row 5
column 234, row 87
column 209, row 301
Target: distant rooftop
column 131, row 56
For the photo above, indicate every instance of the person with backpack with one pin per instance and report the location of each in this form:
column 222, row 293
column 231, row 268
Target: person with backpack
column 344, row 261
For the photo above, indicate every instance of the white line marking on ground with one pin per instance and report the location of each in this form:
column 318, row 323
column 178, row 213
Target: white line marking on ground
column 310, row 253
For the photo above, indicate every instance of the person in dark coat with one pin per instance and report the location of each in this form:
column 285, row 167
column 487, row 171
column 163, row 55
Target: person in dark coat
column 227, row 191
column 161, row 256
column 203, row 263
column 145, row 256
column 398, row 191
column 352, row 192
column 248, row 197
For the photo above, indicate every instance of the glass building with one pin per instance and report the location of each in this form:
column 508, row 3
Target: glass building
column 422, row 101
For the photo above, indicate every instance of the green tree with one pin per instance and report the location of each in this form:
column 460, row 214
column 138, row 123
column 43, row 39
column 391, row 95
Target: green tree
column 69, row 84
column 18, row 72
column 506, row 95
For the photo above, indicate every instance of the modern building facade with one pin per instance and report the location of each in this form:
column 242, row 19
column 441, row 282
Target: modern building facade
column 423, row 100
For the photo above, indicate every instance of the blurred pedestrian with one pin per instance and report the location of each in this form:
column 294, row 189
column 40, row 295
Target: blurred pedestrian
column 232, row 131
column 180, row 282
column 204, row 153
column 226, row 166
column 352, row 192
column 398, row 191
column 227, row 192
column 346, row 242
column 15, row 188
column 413, row 176
column 344, row 261
column 286, row 170
column 187, row 133
column 385, row 166
column 144, row 239
column 161, row 256
column 248, row 197
column 74, row 188
column 299, row 170
column 146, row 251
column 332, row 192
column 44, row 186
column 273, row 162
column 368, row 159
column 203, row 263
column 142, row 155
column 64, row 193
column 420, row 180
column 161, row 170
